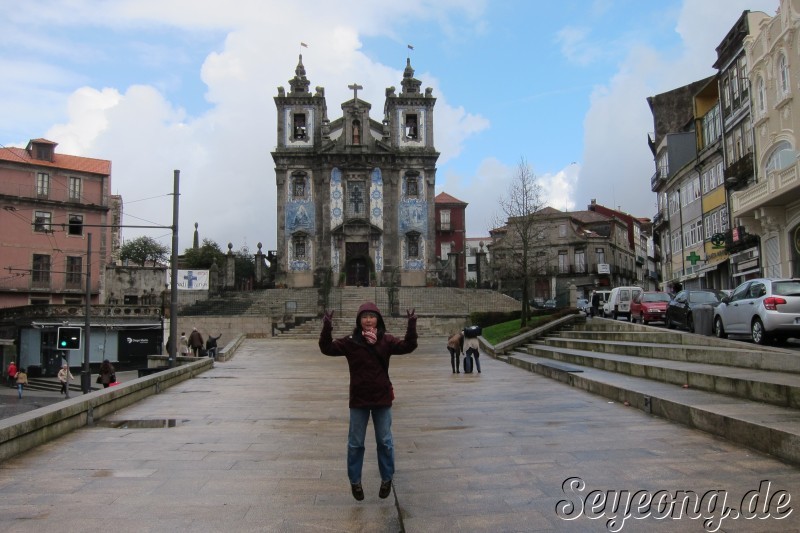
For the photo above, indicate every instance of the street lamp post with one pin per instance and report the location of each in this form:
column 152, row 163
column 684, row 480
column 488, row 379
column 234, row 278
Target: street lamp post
column 86, row 374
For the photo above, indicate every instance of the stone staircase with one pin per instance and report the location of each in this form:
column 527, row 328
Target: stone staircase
column 430, row 305
column 745, row 393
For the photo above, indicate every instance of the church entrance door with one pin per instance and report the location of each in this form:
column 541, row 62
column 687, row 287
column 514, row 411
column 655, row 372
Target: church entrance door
column 357, row 264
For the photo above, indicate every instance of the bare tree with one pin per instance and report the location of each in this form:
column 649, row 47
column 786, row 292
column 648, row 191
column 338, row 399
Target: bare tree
column 515, row 250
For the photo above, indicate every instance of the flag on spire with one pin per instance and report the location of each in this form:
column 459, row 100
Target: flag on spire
column 410, row 47
column 304, row 45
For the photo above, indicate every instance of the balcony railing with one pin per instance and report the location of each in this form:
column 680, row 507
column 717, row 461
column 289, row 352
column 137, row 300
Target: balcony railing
column 740, row 173
column 657, row 179
column 88, row 195
column 777, row 183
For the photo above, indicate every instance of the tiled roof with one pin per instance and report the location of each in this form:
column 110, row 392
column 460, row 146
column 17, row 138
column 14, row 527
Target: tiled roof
column 444, row 198
column 62, row 161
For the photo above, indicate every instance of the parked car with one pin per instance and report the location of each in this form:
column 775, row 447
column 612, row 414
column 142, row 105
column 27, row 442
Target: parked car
column 583, row 305
column 550, row 304
column 766, row 309
column 619, row 302
column 649, row 306
column 680, row 310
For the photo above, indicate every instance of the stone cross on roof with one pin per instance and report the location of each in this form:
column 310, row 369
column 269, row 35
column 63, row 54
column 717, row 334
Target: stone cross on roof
column 355, row 88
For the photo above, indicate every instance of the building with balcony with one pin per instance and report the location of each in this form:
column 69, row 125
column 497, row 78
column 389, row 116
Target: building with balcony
column 566, row 249
column 769, row 205
column 677, row 226
column 50, row 203
column 451, row 237
column 739, row 150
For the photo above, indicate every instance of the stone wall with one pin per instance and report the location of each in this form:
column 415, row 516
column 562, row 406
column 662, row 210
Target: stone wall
column 228, row 326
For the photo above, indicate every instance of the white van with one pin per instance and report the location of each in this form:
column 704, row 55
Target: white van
column 602, row 296
column 619, row 302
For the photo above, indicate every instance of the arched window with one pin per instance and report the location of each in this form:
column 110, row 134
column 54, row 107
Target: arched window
column 780, row 157
column 783, row 76
column 761, row 95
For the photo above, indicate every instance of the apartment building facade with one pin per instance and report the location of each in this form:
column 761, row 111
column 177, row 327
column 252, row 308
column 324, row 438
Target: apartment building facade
column 769, row 205
column 51, row 202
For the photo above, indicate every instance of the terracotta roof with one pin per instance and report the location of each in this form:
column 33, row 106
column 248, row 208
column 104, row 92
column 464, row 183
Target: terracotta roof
column 444, row 198
column 62, row 161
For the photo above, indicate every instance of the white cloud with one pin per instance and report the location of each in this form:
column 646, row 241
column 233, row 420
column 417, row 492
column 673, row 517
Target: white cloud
column 227, row 176
column 617, row 164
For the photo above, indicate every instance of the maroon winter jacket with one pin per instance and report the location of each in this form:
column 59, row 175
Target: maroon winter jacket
column 369, row 379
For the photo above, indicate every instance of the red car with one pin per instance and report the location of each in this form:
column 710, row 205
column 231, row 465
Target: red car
column 649, row 307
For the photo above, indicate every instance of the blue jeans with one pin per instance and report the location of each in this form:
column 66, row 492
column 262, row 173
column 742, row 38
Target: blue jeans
column 19, row 389
column 382, row 422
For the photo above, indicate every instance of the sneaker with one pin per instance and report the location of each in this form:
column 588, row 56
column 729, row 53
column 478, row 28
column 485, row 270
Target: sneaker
column 358, row 492
column 386, row 489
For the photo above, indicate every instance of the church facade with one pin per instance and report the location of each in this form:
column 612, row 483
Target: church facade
column 355, row 195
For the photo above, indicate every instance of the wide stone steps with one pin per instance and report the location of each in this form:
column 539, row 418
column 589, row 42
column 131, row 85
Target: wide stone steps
column 739, row 391
column 777, row 388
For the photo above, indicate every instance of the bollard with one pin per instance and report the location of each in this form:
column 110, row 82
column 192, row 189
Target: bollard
column 703, row 317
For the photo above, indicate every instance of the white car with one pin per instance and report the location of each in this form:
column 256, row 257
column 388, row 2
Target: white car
column 763, row 308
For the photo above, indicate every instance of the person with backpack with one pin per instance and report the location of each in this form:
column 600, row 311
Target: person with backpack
column 368, row 351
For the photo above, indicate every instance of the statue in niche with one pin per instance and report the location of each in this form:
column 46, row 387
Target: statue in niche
column 356, row 132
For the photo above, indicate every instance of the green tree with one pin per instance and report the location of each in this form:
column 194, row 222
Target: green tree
column 203, row 257
column 143, row 249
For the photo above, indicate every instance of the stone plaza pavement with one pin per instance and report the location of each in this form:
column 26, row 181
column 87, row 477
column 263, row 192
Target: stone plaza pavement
column 258, row 444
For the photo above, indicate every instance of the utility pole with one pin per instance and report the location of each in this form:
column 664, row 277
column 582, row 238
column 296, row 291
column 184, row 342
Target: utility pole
column 86, row 374
column 173, row 297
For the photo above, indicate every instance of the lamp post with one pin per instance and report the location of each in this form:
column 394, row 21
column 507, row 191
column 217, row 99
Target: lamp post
column 86, row 373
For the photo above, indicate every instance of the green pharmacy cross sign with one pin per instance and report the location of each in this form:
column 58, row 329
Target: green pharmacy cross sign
column 693, row 258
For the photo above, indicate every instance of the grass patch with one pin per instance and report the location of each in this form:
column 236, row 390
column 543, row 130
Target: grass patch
column 508, row 330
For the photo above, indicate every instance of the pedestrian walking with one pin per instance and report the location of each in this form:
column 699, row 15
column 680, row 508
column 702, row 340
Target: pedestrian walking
column 22, row 380
column 183, row 342
column 195, row 341
column 368, row 351
column 595, row 303
column 455, row 345
column 211, row 345
column 11, row 373
column 106, row 374
column 65, row 377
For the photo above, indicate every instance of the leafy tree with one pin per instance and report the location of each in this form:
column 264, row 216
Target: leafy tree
column 518, row 249
column 143, row 249
column 204, row 256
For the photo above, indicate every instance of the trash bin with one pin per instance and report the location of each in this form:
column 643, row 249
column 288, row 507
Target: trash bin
column 703, row 316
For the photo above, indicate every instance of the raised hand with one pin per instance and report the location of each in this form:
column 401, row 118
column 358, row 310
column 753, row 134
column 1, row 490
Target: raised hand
column 410, row 314
column 327, row 318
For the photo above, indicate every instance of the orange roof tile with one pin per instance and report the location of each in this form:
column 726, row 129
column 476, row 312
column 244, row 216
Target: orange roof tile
column 444, row 198
column 62, row 161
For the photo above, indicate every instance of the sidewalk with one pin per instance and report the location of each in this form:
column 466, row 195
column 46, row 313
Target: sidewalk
column 11, row 404
column 258, row 444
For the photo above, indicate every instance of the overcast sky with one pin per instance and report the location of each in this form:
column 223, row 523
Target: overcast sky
column 155, row 86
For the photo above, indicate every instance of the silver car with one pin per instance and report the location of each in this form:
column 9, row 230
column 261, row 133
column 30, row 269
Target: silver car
column 763, row 308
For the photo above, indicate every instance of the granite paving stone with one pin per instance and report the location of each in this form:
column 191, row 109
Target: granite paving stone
column 258, row 444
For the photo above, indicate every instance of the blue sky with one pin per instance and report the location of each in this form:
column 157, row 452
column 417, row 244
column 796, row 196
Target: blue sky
column 180, row 84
